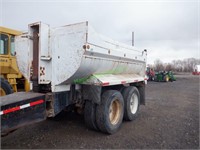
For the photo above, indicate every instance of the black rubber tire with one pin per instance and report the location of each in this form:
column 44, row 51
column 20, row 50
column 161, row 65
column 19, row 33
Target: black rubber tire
column 90, row 115
column 103, row 111
column 127, row 94
column 4, row 84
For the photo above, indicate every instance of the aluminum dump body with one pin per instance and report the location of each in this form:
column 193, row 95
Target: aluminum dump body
column 74, row 53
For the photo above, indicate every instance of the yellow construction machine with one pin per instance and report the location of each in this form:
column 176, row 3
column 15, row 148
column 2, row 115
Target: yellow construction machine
column 11, row 80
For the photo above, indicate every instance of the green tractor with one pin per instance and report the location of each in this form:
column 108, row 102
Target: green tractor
column 163, row 76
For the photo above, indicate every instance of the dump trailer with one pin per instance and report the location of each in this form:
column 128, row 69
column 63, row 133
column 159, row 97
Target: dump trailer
column 74, row 66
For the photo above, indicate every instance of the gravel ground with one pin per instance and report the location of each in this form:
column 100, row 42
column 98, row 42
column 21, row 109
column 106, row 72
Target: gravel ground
column 170, row 120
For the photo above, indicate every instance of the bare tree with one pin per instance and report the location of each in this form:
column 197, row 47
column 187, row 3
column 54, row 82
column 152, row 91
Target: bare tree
column 158, row 65
column 185, row 65
column 168, row 67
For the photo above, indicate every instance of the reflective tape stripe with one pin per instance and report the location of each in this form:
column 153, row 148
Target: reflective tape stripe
column 36, row 102
column 21, row 107
column 105, row 83
column 11, row 110
column 123, row 82
column 25, row 106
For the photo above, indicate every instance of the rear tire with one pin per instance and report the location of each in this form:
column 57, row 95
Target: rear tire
column 131, row 102
column 109, row 114
column 5, row 87
column 90, row 115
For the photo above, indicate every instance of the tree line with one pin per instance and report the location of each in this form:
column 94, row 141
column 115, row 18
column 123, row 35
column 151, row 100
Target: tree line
column 185, row 65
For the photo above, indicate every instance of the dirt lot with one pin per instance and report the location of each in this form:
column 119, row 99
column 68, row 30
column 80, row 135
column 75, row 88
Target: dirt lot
column 169, row 120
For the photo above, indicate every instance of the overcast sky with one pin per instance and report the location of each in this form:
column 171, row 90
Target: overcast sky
column 167, row 29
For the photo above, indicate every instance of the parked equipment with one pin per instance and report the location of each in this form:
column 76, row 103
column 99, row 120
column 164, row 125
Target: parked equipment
column 196, row 70
column 73, row 65
column 171, row 76
column 150, row 74
column 11, row 80
column 163, row 76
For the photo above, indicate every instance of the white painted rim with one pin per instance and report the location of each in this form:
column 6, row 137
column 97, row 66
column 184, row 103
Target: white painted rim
column 134, row 103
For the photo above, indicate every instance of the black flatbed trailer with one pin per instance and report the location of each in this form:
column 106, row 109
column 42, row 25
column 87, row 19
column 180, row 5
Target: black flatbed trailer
column 22, row 108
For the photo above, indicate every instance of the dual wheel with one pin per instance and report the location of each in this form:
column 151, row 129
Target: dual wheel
column 108, row 116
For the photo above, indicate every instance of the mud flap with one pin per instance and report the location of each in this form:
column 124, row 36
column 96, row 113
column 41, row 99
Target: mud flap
column 20, row 109
column 142, row 94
